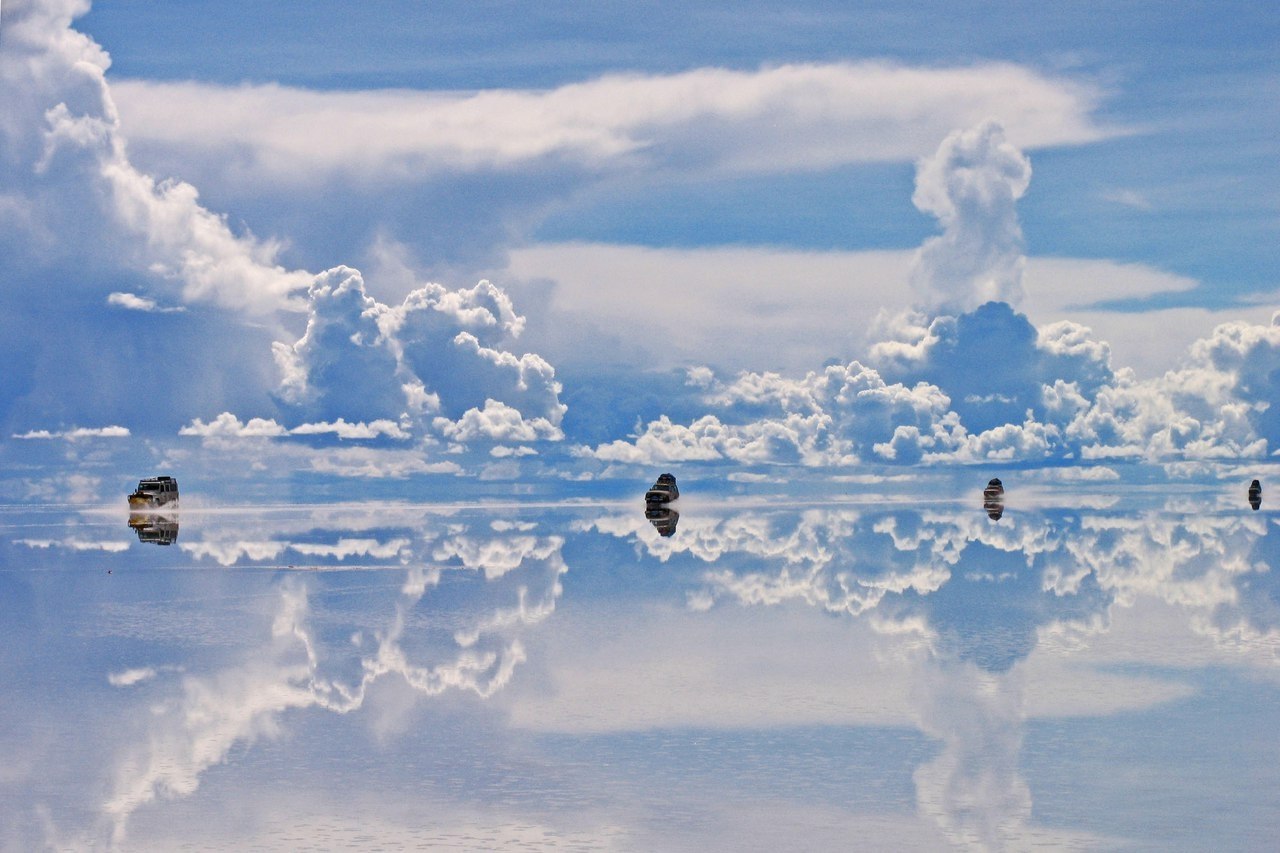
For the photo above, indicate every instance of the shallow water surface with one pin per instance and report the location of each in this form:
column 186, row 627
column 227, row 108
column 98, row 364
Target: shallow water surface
column 889, row 675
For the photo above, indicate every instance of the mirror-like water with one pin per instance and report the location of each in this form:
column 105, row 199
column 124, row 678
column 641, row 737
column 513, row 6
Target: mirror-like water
column 874, row 676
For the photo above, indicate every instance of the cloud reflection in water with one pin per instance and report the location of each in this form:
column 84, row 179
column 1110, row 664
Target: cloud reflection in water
column 931, row 620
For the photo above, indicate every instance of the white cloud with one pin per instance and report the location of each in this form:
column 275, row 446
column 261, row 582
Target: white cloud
column 76, row 433
column 70, row 488
column 817, row 304
column 968, row 380
column 227, row 425
column 76, row 544
column 71, row 174
column 344, row 430
column 1096, row 474
column 205, row 717
column 1128, row 198
column 424, row 357
column 228, row 553
column 130, row 677
column 503, row 451
column 348, row 547
column 133, row 302
column 371, row 463
column 138, row 675
column 782, row 118
column 67, row 154
column 971, row 184
column 497, row 422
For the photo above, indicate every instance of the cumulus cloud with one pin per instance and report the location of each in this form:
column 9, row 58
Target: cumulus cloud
column 833, row 300
column 342, row 429
column 437, row 359
column 965, row 379
column 356, row 371
column 65, row 150
column 971, row 184
column 229, row 552
column 227, row 425
column 497, row 422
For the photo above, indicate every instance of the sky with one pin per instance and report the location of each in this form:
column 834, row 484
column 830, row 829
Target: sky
column 464, row 242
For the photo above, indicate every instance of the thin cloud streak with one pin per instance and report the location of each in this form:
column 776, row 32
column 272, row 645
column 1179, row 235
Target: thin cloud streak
column 782, row 118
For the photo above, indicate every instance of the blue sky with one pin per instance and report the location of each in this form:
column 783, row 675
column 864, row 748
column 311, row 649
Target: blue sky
column 687, row 215
column 1197, row 80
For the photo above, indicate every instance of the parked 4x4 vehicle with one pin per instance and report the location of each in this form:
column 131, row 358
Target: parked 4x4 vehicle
column 663, row 491
column 154, row 492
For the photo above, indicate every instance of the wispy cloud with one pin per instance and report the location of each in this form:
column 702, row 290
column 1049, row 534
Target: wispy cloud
column 1128, row 198
column 74, row 544
column 781, row 118
column 75, row 433
column 133, row 302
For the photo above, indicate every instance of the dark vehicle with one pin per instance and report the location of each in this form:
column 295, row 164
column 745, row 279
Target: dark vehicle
column 153, row 492
column 1255, row 494
column 993, row 499
column 663, row 491
column 156, row 529
column 663, row 518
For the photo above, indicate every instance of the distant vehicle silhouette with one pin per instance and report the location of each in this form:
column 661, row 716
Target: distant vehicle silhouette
column 994, row 489
column 1255, row 494
column 994, row 508
column 663, row 490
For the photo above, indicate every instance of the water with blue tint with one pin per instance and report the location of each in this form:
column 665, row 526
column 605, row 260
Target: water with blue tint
column 1092, row 672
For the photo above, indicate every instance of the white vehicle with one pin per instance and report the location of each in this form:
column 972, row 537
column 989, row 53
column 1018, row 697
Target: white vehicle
column 153, row 492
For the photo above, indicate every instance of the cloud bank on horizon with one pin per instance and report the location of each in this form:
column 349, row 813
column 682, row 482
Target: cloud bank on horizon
column 432, row 365
column 964, row 378
column 157, row 295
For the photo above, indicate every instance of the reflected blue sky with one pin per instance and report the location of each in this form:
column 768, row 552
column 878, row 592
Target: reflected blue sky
column 1098, row 673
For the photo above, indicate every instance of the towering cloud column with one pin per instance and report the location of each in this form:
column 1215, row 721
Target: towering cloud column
column 972, row 185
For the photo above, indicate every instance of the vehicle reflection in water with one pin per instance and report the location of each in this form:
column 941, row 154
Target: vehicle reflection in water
column 1255, row 494
column 993, row 499
column 996, row 653
column 154, row 529
column 663, row 518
